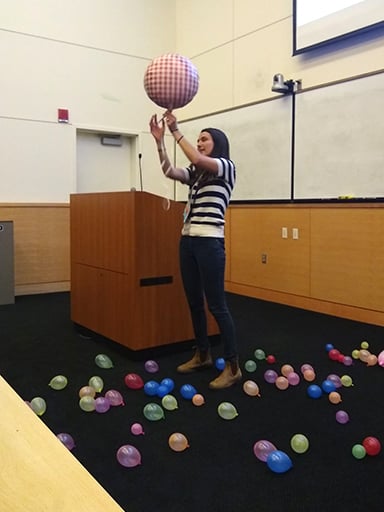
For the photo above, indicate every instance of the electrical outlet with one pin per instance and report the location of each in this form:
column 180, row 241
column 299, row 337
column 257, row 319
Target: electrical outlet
column 295, row 233
column 284, row 232
column 263, row 258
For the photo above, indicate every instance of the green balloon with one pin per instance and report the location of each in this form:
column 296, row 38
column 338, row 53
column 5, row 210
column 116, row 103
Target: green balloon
column 259, row 354
column 96, row 383
column 250, row 366
column 153, row 412
column 227, row 411
column 103, row 361
column 87, row 403
column 38, row 405
column 299, row 443
column 169, row 402
column 358, row 451
column 58, row 382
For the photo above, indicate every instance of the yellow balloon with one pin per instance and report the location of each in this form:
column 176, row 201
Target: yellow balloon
column 364, row 344
column 97, row 383
column 178, row 442
column 356, row 353
column 87, row 403
column 227, row 411
column 58, row 382
column 346, row 381
column 38, row 405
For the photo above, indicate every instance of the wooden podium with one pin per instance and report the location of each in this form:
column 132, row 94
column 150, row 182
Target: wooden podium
column 125, row 278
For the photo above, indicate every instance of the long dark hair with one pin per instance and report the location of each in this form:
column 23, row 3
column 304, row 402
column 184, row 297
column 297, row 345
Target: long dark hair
column 220, row 143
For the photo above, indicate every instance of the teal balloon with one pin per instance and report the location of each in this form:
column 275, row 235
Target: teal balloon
column 259, row 354
column 358, row 451
column 103, row 361
column 227, row 411
column 153, row 412
column 58, row 382
column 96, row 383
column 250, row 366
column 169, row 402
column 38, row 405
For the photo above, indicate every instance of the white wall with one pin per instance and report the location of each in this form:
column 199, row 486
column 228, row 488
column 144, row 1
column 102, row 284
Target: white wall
column 90, row 56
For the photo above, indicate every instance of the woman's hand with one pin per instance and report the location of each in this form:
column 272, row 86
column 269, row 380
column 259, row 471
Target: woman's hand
column 157, row 128
column 170, row 120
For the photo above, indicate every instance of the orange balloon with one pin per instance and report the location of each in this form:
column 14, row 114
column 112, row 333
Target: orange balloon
column 286, row 369
column 363, row 355
column 334, row 397
column 371, row 360
column 281, row 382
column 251, row 388
column 198, row 399
column 178, row 442
column 87, row 391
column 309, row 375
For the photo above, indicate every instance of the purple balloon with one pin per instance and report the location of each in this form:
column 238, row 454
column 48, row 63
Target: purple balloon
column 335, row 379
column 262, row 449
column 347, row 361
column 342, row 417
column 67, row 440
column 128, row 456
column 114, row 397
column 270, row 376
column 102, row 404
column 151, row 366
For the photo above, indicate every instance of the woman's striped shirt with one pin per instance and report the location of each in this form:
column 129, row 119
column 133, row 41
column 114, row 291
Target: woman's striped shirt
column 208, row 199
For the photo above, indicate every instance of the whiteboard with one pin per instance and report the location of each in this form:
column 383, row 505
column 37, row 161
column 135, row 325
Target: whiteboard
column 339, row 148
column 260, row 142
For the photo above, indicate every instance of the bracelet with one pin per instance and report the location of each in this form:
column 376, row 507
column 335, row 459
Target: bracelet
column 179, row 140
column 175, row 130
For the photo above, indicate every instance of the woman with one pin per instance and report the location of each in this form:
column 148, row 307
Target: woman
column 210, row 177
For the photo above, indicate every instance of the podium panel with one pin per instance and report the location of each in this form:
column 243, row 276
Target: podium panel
column 125, row 278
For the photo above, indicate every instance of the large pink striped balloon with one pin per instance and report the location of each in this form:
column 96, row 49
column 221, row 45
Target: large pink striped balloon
column 171, row 81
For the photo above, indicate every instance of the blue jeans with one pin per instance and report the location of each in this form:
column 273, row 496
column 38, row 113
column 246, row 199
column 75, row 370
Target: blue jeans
column 202, row 265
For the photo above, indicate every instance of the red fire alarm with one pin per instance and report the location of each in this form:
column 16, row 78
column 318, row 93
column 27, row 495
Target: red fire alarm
column 62, row 115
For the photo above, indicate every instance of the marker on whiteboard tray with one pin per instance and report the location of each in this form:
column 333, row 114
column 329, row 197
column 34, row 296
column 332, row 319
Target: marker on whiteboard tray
column 349, row 196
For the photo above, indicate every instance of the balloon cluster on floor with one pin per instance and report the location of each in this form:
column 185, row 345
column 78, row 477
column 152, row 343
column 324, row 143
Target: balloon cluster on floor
column 163, row 397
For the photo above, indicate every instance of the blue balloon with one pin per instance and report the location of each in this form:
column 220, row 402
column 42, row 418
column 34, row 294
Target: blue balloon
column 329, row 347
column 314, row 391
column 188, row 391
column 151, row 387
column 162, row 391
column 220, row 363
column 169, row 383
column 278, row 461
column 328, row 386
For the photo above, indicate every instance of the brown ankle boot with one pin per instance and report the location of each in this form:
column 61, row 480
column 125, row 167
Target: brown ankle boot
column 199, row 361
column 229, row 376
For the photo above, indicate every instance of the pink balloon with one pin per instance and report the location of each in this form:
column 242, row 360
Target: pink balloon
column 102, row 404
column 137, row 429
column 67, row 440
column 380, row 358
column 293, row 379
column 114, row 397
column 262, row 449
column 128, row 456
column 305, row 367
